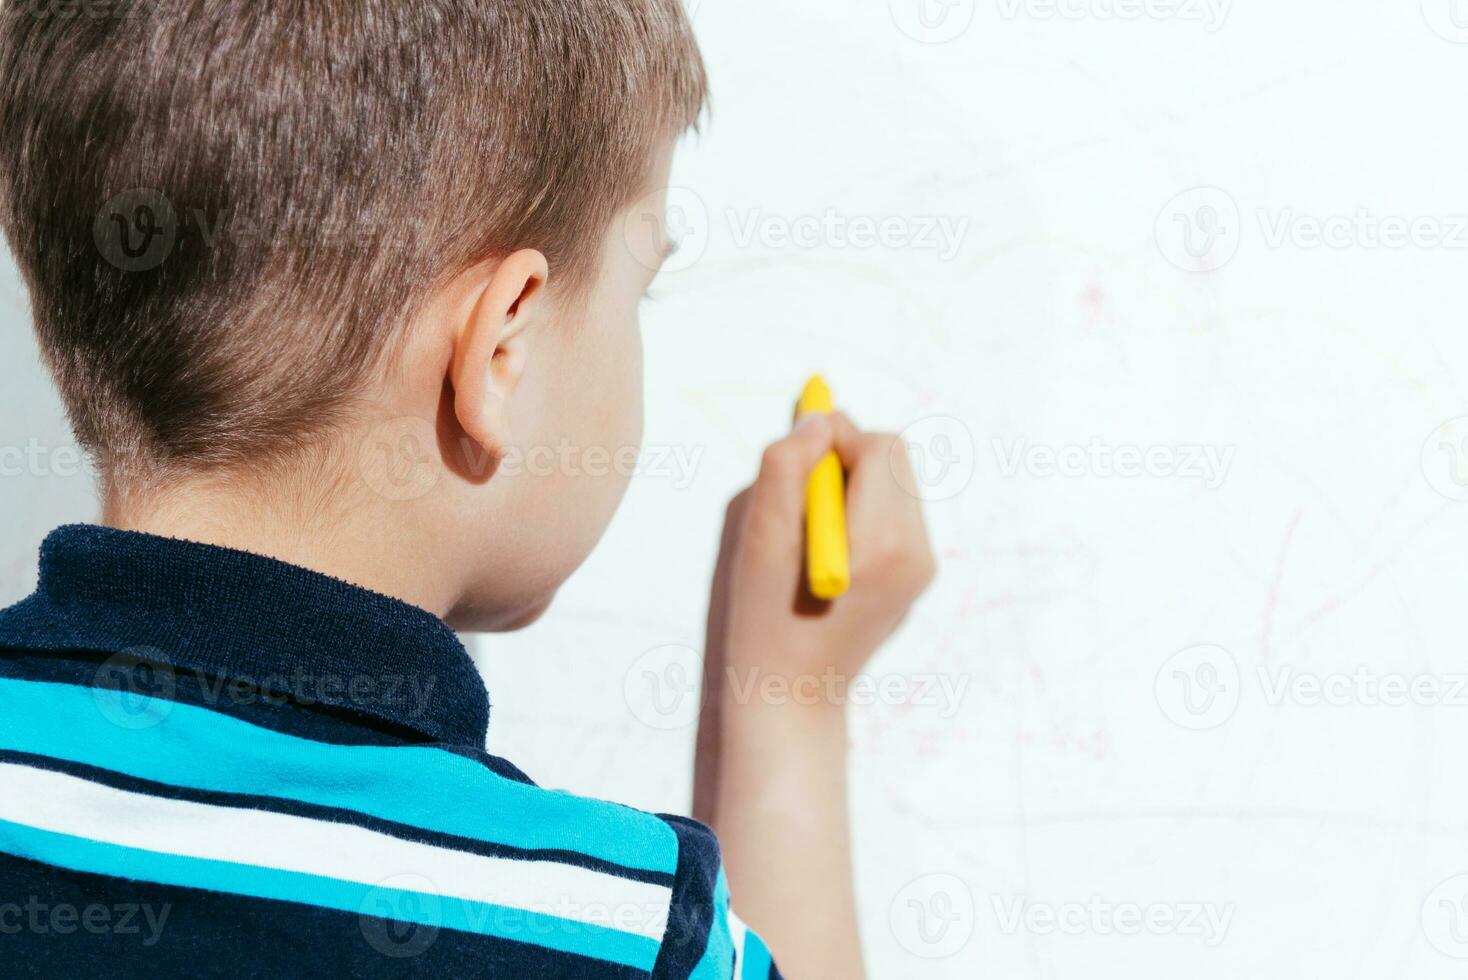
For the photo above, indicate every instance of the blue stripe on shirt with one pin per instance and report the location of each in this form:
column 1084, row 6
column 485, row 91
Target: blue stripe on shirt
column 718, row 956
column 423, row 787
column 757, row 961
column 335, row 815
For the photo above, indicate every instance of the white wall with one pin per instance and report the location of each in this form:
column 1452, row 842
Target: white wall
column 44, row 480
column 1319, row 373
column 1085, row 617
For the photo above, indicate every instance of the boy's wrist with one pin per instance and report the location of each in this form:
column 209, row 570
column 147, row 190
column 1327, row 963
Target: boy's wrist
column 778, row 714
column 772, row 755
column 748, row 688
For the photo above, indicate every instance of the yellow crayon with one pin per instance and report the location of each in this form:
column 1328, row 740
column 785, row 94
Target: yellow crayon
column 828, row 559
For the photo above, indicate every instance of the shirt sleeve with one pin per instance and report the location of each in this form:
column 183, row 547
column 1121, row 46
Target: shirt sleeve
column 705, row 939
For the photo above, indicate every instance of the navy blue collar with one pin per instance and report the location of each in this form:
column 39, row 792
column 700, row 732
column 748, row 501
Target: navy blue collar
column 251, row 620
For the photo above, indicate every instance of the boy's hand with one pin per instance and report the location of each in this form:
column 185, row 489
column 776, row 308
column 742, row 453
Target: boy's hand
column 772, row 779
column 769, row 619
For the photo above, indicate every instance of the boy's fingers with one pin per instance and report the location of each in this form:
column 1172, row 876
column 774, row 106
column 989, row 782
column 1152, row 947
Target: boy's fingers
column 888, row 529
column 787, row 464
column 888, row 535
column 849, row 440
column 865, row 455
column 870, row 458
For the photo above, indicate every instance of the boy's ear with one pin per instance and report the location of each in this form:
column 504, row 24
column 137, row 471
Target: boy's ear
column 490, row 348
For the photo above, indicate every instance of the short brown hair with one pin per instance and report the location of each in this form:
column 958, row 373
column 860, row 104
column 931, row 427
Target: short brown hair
column 224, row 212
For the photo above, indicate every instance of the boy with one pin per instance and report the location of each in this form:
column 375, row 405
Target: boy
column 311, row 276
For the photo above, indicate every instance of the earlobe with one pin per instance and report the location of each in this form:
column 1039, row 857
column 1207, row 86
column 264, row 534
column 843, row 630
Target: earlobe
column 491, row 348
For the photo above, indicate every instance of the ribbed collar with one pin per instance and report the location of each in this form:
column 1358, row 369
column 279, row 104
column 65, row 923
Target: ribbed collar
column 252, row 620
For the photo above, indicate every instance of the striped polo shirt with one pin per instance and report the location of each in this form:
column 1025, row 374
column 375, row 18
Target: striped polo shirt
column 217, row 764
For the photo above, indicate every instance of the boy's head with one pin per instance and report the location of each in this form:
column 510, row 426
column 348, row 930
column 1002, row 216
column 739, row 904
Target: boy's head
column 381, row 252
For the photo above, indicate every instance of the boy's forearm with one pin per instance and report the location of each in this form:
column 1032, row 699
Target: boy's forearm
column 780, row 808
column 771, row 772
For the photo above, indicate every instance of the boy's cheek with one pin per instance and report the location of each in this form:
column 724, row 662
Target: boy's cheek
column 578, row 423
column 600, row 394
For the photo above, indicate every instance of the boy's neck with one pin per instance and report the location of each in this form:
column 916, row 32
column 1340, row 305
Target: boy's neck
column 366, row 544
